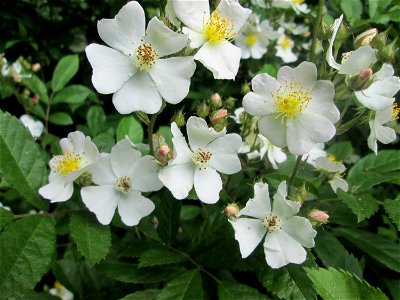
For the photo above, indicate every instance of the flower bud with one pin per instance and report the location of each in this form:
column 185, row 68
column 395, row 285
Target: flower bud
column 216, row 100
column 365, row 38
column 218, row 116
column 203, row 110
column 379, row 41
column 301, row 194
column 230, row 102
column 342, row 32
column 35, row 99
column 361, row 81
column 179, row 118
column 85, row 179
column 388, row 53
column 245, row 88
column 36, row 67
column 325, row 31
column 318, row 216
column 164, row 150
column 231, row 210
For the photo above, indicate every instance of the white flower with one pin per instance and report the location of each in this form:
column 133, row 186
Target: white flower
column 380, row 94
column 314, row 153
column 35, row 127
column 209, row 152
column 213, row 33
column 353, row 62
column 297, row 5
column 14, row 70
column 61, row 291
column 331, row 165
column 170, row 14
column 284, row 48
column 79, row 153
column 275, row 154
column 254, row 38
column 285, row 234
column 236, row 117
column 121, row 177
column 4, row 207
column 379, row 132
column 134, row 68
column 297, row 110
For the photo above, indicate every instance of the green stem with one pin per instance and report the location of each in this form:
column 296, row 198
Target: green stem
column 294, row 172
column 346, row 126
column 47, row 214
column 151, row 128
column 48, row 113
column 317, row 25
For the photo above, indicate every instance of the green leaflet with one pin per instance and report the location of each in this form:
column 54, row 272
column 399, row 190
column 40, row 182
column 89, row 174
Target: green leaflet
column 156, row 257
column 186, row 286
column 392, row 207
column 96, row 119
column 132, row 128
column 363, row 205
column 5, row 217
column 229, row 290
column 21, row 162
column 64, row 71
column 26, row 250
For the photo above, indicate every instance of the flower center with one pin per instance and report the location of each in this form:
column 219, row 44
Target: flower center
column 145, row 57
column 396, row 111
column 68, row 163
column 286, row 43
column 297, row 2
column 251, row 39
column 271, row 222
column 124, row 184
column 333, row 159
column 290, row 100
column 218, row 29
column 201, row 157
column 345, row 56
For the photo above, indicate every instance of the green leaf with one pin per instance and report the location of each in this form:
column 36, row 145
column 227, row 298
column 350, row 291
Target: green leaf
column 352, row 9
column 26, row 250
column 132, row 128
column 150, row 294
column 93, row 239
column 156, row 257
column 334, row 284
column 61, row 118
column 269, row 69
column 167, row 212
column 342, row 150
column 392, row 208
column 38, row 87
column 229, row 290
column 64, row 71
column 22, row 164
column 363, row 205
column 186, row 286
column 73, row 94
column 381, row 249
column 6, row 217
column 104, row 141
column 210, row 231
column 189, row 212
column 332, row 253
column 96, row 119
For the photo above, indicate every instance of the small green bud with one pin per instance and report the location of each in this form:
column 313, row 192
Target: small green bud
column 361, row 81
column 388, row 53
column 230, row 102
column 342, row 32
column 380, row 40
column 85, row 179
column 245, row 88
column 216, row 100
column 179, row 118
column 325, row 31
column 203, row 110
column 365, row 38
column 218, row 116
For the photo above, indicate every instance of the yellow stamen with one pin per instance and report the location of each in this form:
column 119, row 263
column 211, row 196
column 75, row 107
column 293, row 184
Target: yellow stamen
column 396, row 111
column 297, row 2
column 332, row 158
column 68, row 163
column 251, row 39
column 218, row 29
column 286, row 43
column 145, row 57
column 201, row 157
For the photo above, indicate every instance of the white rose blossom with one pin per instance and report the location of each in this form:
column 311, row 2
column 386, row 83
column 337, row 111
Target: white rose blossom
column 79, row 152
column 297, row 5
column 121, row 177
column 285, row 234
column 284, row 47
column 134, row 69
column 213, row 33
column 296, row 110
column 379, row 132
column 275, row 154
column 331, row 165
column 315, row 152
column 197, row 165
column 35, row 127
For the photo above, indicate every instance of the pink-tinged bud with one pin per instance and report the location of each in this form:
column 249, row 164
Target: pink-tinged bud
column 164, row 150
column 218, row 116
column 319, row 216
column 365, row 38
column 216, row 100
column 35, row 99
column 361, row 81
column 36, row 67
column 231, row 210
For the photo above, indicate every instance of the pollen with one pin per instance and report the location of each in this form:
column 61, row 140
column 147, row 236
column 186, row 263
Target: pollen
column 145, row 57
column 218, row 29
column 124, row 184
column 333, row 159
column 297, row 2
column 271, row 222
column 286, row 43
column 251, row 39
column 290, row 100
column 201, row 157
column 67, row 163
column 396, row 111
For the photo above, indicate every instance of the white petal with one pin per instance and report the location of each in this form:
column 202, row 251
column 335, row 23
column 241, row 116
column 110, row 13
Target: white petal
column 264, row 84
column 273, row 130
column 282, row 207
column 280, row 249
column 326, row 164
column 77, row 142
column 322, row 101
column 123, row 156
column 305, row 73
column 90, row 150
column 259, row 206
column 234, row 11
column 339, row 183
column 56, row 190
column 358, row 60
column 111, row 69
column 196, row 38
column 131, row 21
column 249, row 233
column 192, row 13
column 182, row 153
column 178, row 179
column 372, row 140
column 257, row 105
column 102, row 172
column 164, row 40
column 138, row 94
column 301, row 230
column 114, row 37
column 385, row 72
column 306, row 130
column 133, row 207
column 385, row 134
column 199, row 134
column 224, row 153
column 221, row 59
column 329, row 54
column 287, row 55
column 278, row 154
column 172, row 77
column 101, row 200
column 144, row 175
column 208, row 184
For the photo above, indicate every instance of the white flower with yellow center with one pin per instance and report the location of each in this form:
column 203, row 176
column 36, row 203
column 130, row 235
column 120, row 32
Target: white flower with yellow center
column 380, row 94
column 34, row 127
column 336, row 170
column 381, row 133
column 134, row 68
column 285, row 234
column 296, row 110
column 209, row 152
column 275, row 154
column 121, row 177
column 79, row 153
column 213, row 33
column 284, row 48
column 297, row 5
column 315, row 152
